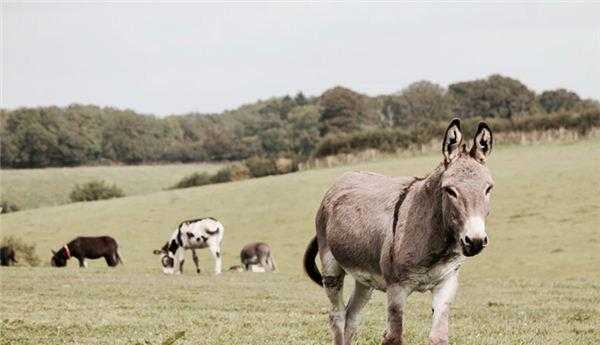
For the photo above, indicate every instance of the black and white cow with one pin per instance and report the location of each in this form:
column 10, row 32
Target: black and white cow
column 192, row 234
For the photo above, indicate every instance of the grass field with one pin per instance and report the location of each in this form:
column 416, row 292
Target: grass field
column 537, row 283
column 32, row 188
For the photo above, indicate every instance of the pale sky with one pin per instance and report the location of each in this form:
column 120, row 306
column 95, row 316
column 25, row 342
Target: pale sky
column 166, row 58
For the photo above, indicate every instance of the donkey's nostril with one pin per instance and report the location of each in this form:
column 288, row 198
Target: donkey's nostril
column 468, row 240
column 485, row 241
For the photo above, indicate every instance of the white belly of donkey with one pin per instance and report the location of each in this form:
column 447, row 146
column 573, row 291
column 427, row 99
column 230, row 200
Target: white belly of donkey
column 418, row 280
column 373, row 280
column 428, row 279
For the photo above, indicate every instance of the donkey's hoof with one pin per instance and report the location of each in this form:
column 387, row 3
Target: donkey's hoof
column 389, row 339
column 438, row 341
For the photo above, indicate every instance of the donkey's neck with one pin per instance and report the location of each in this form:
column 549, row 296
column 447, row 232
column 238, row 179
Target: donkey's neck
column 430, row 190
column 432, row 183
column 427, row 221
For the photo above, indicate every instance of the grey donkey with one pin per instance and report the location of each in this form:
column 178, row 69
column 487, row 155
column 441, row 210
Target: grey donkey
column 403, row 234
column 257, row 253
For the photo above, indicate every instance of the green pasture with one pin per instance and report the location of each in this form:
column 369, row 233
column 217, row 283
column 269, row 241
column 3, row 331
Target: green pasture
column 537, row 283
column 32, row 188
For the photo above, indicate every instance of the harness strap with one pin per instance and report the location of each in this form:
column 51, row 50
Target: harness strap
column 401, row 198
column 67, row 251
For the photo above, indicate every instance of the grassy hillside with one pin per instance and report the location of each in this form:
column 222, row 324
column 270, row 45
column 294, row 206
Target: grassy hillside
column 537, row 283
column 32, row 188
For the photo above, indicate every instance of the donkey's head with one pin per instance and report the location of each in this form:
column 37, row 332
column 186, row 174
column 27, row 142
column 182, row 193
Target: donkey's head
column 167, row 259
column 59, row 258
column 466, row 186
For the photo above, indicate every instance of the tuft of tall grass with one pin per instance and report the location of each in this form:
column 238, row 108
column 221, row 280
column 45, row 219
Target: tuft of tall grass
column 95, row 190
column 8, row 206
column 23, row 250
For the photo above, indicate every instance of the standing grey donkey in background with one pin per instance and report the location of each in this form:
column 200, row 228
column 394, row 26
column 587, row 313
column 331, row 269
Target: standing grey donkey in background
column 403, row 234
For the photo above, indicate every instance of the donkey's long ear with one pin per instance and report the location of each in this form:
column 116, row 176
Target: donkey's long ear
column 482, row 143
column 452, row 141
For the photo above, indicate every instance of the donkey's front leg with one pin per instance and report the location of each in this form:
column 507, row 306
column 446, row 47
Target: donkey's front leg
column 216, row 252
column 178, row 261
column 396, row 296
column 443, row 295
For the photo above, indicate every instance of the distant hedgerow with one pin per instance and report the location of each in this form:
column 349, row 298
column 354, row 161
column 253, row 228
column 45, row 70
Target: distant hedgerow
column 238, row 172
column 222, row 176
column 252, row 167
column 392, row 139
column 193, row 180
column 261, row 166
column 95, row 190
column 233, row 172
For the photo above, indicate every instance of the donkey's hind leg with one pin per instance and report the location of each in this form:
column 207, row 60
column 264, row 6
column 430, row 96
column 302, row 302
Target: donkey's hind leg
column 360, row 297
column 271, row 262
column 333, row 283
column 263, row 261
column 111, row 261
column 215, row 250
column 195, row 257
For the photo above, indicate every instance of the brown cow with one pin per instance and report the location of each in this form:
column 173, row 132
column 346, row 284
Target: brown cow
column 83, row 248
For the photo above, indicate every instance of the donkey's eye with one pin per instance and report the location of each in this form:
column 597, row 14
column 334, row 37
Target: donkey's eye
column 450, row 192
column 488, row 189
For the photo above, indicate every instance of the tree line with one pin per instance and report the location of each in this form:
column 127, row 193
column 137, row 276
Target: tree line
column 294, row 126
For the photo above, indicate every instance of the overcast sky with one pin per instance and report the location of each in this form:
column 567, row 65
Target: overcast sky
column 174, row 58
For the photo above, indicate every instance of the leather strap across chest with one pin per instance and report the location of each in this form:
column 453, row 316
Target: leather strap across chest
column 401, row 198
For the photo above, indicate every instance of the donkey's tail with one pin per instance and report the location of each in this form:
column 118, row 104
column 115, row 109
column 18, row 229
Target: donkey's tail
column 272, row 261
column 119, row 260
column 310, row 267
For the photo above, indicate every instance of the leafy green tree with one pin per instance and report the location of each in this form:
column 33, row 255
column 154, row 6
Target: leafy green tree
column 559, row 99
column 95, row 190
column 342, row 110
column 30, row 143
column 304, row 129
column 133, row 138
column 279, row 106
column 419, row 103
column 300, row 99
column 219, row 142
column 496, row 96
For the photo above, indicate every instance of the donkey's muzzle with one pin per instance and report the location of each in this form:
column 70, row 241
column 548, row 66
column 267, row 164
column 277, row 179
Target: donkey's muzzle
column 473, row 246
